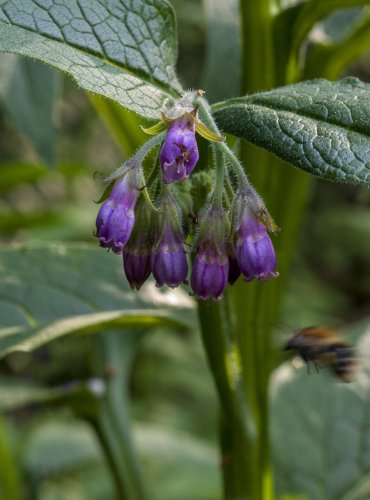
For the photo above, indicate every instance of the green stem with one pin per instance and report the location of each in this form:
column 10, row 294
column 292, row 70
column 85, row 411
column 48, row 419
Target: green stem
column 238, row 435
column 115, row 352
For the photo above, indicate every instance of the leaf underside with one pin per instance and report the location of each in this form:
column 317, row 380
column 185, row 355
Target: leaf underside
column 318, row 126
column 124, row 50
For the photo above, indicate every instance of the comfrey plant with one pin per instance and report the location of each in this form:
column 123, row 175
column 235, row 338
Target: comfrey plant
column 196, row 219
column 233, row 222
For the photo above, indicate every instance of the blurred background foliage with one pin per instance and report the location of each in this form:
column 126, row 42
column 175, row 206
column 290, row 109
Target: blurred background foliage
column 53, row 138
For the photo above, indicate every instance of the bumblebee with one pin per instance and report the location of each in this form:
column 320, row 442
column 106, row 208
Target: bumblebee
column 325, row 348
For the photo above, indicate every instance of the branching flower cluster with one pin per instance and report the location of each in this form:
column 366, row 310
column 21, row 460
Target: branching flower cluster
column 145, row 216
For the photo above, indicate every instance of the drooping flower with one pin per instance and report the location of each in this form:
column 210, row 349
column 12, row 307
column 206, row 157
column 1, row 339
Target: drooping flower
column 210, row 270
column 179, row 153
column 168, row 259
column 116, row 217
column 136, row 263
column 254, row 249
column 234, row 269
column 136, row 253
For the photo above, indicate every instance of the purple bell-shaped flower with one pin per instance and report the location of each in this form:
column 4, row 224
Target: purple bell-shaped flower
column 116, row 217
column 254, row 250
column 210, row 272
column 168, row 260
column 136, row 254
column 136, row 263
column 179, row 153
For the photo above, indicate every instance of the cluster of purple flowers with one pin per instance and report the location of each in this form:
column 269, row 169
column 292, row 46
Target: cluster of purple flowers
column 153, row 241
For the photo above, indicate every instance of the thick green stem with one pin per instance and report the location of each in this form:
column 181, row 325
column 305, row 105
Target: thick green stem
column 238, row 435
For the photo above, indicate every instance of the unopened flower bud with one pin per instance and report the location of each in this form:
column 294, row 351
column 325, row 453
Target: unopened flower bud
column 116, row 217
column 136, row 264
column 168, row 260
column 211, row 264
column 136, row 254
column 179, row 153
column 254, row 250
column 210, row 272
column 234, row 269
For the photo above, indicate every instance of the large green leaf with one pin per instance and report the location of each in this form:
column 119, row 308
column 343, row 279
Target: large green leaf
column 48, row 292
column 320, row 430
column 29, row 91
column 319, row 126
column 125, row 50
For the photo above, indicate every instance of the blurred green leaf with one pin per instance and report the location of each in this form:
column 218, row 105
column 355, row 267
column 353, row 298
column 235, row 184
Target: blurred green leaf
column 310, row 13
column 28, row 91
column 320, row 431
column 187, row 468
column 331, row 58
column 14, row 174
column 126, row 52
column 124, row 124
column 83, row 397
column 46, row 292
column 319, row 126
column 10, row 480
column 55, row 447
column 222, row 67
column 12, row 221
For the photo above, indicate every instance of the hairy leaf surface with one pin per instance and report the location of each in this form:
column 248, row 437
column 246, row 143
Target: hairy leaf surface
column 125, row 50
column 319, row 126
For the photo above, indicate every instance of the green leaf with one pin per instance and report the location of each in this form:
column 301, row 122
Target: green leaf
column 122, row 123
column 188, row 467
column 14, row 174
column 331, row 58
column 320, row 431
column 222, row 65
column 83, row 397
column 313, row 11
column 47, row 292
column 319, row 126
column 28, row 91
column 59, row 447
column 125, row 51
